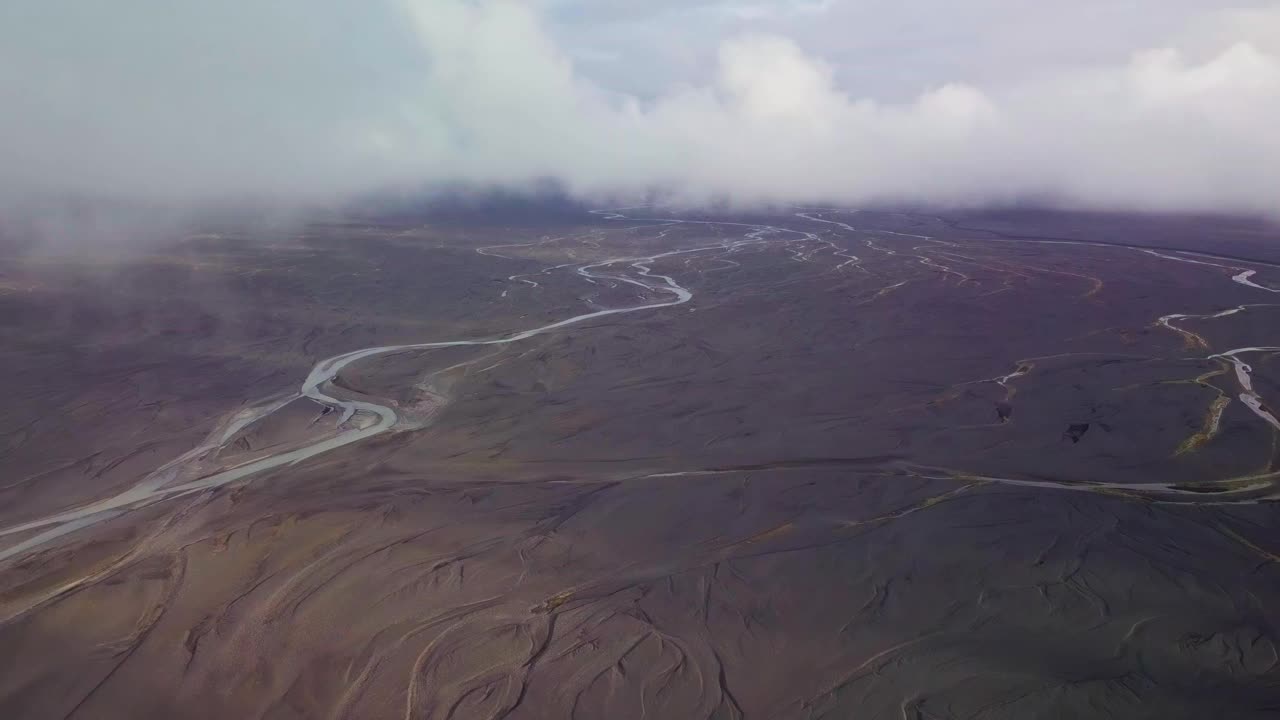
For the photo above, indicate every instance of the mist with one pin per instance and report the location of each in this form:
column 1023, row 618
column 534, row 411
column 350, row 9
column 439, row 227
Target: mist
column 189, row 106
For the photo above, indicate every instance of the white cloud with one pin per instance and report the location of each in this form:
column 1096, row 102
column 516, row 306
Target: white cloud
column 310, row 100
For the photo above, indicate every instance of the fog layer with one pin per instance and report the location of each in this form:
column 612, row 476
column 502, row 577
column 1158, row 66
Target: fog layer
column 292, row 101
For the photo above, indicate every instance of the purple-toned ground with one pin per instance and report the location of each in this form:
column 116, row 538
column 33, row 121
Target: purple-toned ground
column 819, row 463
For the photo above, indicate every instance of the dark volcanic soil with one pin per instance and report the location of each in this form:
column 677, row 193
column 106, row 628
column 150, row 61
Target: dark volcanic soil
column 880, row 465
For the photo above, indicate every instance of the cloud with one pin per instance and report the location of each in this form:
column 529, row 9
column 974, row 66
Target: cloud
column 294, row 101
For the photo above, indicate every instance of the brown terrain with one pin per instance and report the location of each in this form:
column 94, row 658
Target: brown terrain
column 808, row 464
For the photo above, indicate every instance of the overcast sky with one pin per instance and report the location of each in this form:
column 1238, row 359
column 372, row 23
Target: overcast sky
column 1153, row 104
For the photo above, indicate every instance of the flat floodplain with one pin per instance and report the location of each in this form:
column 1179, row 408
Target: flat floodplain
column 819, row 463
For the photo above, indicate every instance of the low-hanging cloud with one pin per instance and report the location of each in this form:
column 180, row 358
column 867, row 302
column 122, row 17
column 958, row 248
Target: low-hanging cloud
column 291, row 101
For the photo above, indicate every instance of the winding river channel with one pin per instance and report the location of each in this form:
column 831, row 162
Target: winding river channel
column 162, row 484
column 361, row 420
